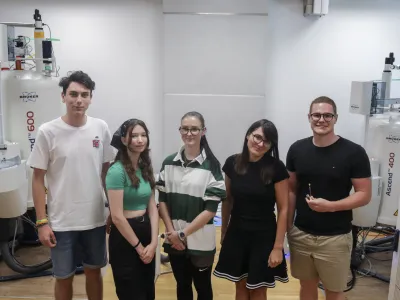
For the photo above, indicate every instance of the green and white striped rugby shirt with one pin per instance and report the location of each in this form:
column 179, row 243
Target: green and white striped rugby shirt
column 188, row 191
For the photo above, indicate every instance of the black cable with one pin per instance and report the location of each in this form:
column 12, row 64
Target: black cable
column 377, row 244
column 7, row 254
column 79, row 270
column 376, row 275
column 48, row 28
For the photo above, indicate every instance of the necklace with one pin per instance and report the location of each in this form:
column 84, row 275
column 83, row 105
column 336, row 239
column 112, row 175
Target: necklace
column 186, row 161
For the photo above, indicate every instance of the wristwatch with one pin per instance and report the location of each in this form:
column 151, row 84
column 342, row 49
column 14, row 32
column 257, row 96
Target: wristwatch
column 181, row 235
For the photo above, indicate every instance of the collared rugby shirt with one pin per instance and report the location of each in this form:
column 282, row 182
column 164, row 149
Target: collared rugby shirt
column 188, row 191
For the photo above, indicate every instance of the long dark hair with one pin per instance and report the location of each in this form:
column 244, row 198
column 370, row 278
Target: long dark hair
column 271, row 134
column 214, row 163
column 144, row 159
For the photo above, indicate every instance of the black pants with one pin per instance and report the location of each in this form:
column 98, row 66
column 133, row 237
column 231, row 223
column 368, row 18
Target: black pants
column 185, row 273
column 133, row 279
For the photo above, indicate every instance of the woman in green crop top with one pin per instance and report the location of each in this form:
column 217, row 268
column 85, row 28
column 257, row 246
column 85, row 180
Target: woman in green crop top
column 134, row 233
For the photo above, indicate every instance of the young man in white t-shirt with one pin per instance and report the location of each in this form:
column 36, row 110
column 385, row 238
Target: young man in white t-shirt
column 73, row 153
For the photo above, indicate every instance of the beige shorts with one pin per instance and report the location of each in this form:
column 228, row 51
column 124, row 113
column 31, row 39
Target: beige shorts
column 324, row 257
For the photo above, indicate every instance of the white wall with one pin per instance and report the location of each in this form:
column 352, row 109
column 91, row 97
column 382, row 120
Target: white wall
column 118, row 45
column 216, row 6
column 310, row 57
column 214, row 64
column 304, row 58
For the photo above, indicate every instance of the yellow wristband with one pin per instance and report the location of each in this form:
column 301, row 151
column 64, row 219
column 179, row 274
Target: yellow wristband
column 41, row 224
column 42, row 221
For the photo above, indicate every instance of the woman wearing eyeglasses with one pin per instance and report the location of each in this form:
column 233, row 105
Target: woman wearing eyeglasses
column 191, row 187
column 252, row 239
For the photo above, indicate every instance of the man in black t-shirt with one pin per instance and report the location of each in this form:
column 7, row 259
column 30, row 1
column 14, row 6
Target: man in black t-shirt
column 323, row 169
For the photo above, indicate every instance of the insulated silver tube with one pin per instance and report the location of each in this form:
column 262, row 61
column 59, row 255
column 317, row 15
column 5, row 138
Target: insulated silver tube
column 2, row 142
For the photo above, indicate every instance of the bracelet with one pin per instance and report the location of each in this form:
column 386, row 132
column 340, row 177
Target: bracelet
column 134, row 247
column 41, row 222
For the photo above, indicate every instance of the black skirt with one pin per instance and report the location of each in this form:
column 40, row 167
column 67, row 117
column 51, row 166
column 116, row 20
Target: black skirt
column 133, row 279
column 244, row 255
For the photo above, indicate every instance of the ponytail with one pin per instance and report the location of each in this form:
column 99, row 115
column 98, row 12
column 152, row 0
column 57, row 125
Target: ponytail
column 214, row 163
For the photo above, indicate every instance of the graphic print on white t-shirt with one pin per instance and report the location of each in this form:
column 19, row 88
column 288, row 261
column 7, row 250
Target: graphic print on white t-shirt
column 75, row 157
column 96, row 142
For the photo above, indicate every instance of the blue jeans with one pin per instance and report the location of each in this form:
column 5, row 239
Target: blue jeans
column 73, row 248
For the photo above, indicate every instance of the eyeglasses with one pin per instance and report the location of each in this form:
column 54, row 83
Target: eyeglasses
column 317, row 116
column 258, row 139
column 193, row 131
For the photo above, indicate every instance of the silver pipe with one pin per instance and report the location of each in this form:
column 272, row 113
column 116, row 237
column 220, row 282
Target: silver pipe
column 24, row 58
column 215, row 14
column 1, row 115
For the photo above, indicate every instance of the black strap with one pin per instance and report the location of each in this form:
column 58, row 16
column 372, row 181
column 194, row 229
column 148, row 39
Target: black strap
column 134, row 247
